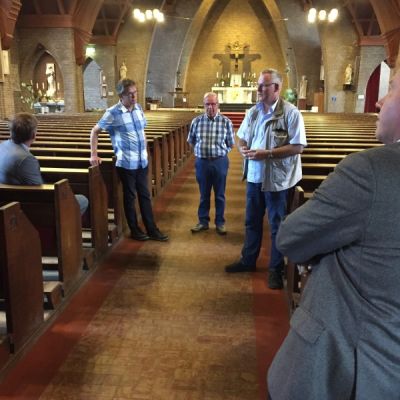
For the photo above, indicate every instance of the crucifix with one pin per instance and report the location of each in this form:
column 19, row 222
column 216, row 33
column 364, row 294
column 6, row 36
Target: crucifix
column 236, row 52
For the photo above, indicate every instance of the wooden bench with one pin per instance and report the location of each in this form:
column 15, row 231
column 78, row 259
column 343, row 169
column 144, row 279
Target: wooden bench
column 54, row 212
column 90, row 183
column 21, row 283
column 112, row 184
column 292, row 274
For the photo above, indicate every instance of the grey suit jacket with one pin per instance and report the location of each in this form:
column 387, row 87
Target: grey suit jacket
column 344, row 340
column 18, row 166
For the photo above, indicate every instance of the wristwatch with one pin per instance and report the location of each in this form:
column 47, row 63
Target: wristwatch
column 270, row 155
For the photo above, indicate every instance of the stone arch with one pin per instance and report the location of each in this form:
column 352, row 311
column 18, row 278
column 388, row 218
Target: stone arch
column 94, row 91
column 33, row 68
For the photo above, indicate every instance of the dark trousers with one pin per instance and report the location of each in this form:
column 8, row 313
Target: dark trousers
column 134, row 181
column 211, row 174
column 257, row 202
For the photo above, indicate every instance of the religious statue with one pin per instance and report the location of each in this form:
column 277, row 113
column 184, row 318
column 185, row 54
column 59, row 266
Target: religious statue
column 303, row 88
column 178, row 79
column 51, row 80
column 348, row 75
column 123, row 70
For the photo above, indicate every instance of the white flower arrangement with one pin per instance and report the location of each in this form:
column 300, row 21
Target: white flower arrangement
column 29, row 95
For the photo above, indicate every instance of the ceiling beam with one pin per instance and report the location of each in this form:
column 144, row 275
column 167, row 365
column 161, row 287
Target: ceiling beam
column 9, row 10
column 72, row 7
column 126, row 7
column 46, row 21
column 37, row 8
column 60, row 6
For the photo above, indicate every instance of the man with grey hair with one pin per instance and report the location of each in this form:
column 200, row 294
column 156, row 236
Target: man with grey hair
column 211, row 136
column 344, row 338
column 125, row 123
column 271, row 138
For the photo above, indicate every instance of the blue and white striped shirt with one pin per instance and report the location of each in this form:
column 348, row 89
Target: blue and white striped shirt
column 126, row 129
column 211, row 137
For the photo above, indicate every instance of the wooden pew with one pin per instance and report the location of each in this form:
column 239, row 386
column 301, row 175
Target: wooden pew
column 90, row 183
column 112, row 184
column 21, row 283
column 296, row 274
column 292, row 274
column 54, row 212
column 85, row 153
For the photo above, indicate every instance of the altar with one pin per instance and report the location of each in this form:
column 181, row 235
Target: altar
column 49, row 107
column 238, row 94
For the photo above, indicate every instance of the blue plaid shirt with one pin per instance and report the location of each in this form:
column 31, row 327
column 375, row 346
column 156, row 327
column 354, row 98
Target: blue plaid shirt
column 126, row 129
column 211, row 137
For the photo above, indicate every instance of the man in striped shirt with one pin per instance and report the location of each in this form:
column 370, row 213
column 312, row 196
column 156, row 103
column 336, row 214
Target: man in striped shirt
column 211, row 136
column 125, row 123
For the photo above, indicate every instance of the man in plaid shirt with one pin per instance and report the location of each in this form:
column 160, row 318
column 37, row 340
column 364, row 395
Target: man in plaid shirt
column 211, row 136
column 125, row 123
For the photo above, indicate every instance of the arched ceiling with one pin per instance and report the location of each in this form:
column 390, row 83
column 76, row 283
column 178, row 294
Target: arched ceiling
column 99, row 21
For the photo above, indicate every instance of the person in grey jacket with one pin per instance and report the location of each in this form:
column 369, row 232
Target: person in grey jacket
column 271, row 138
column 344, row 338
column 18, row 166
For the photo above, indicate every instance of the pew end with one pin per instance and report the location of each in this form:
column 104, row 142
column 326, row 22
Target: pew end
column 21, row 276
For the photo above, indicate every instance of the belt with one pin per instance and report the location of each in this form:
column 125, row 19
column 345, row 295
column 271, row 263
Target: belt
column 211, row 158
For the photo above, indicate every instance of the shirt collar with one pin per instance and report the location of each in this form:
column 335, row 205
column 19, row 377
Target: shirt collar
column 212, row 119
column 260, row 106
column 124, row 109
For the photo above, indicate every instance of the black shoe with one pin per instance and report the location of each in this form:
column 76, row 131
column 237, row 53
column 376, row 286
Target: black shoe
column 275, row 280
column 139, row 235
column 157, row 235
column 239, row 267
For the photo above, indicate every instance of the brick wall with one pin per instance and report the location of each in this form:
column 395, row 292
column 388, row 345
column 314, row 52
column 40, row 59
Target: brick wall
column 370, row 58
column 59, row 43
column 92, row 82
column 339, row 48
column 154, row 55
column 236, row 21
column 133, row 46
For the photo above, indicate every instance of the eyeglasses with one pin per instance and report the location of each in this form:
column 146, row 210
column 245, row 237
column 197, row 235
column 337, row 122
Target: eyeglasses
column 210, row 104
column 265, row 85
column 130, row 94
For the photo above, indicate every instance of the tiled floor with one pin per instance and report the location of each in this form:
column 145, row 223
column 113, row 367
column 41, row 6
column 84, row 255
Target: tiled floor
column 162, row 321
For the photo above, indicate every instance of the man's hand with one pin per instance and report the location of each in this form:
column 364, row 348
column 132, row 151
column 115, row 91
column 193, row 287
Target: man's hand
column 95, row 160
column 255, row 154
column 242, row 150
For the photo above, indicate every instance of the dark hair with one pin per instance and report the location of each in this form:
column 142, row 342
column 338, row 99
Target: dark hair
column 123, row 84
column 23, row 127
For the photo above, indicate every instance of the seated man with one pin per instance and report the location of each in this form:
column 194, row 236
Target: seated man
column 18, row 166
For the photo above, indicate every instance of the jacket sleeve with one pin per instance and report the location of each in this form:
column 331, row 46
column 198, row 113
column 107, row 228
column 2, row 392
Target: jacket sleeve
column 335, row 216
column 29, row 171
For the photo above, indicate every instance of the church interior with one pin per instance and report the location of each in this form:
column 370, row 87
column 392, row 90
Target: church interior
column 87, row 313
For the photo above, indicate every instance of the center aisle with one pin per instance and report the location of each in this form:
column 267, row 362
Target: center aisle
column 163, row 321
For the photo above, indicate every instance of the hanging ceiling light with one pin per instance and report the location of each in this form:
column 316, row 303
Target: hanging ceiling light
column 322, row 15
column 148, row 15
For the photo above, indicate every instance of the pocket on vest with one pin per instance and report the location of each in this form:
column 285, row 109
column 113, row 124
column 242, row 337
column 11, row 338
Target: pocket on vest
column 303, row 323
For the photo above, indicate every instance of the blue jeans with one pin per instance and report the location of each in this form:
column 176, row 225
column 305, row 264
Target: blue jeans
column 134, row 181
column 256, row 203
column 211, row 174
